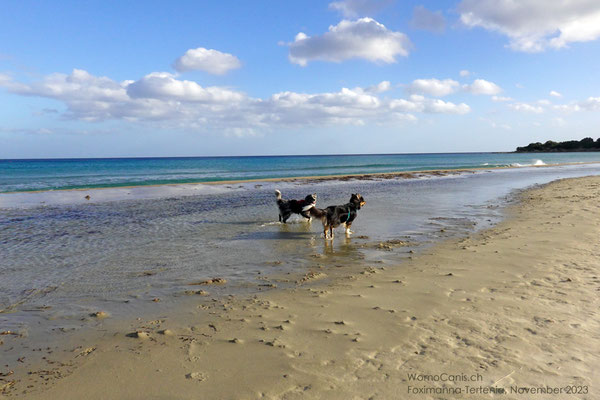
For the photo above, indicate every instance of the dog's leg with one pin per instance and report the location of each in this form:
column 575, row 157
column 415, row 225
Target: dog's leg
column 331, row 231
column 348, row 231
column 286, row 216
column 279, row 217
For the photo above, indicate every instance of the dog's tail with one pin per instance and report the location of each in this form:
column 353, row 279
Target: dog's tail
column 317, row 212
column 278, row 194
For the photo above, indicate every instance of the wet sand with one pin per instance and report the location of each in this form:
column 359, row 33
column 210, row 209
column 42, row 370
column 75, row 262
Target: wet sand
column 513, row 308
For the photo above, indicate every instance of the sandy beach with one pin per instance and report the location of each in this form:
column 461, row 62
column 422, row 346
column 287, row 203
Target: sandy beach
column 508, row 312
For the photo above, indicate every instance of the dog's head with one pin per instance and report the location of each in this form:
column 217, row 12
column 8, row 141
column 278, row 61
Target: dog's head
column 311, row 199
column 358, row 200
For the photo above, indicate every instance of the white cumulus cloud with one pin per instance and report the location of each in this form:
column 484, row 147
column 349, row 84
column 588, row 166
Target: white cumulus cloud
column 418, row 103
column 555, row 93
column 433, row 87
column 481, row 86
column 364, row 38
column 535, row 25
column 80, row 85
column 591, row 104
column 381, row 87
column 165, row 101
column 164, row 86
column 524, row 107
column 208, row 60
column 446, row 107
column 440, row 88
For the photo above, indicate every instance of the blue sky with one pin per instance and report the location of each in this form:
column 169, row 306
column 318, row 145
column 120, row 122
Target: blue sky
column 113, row 79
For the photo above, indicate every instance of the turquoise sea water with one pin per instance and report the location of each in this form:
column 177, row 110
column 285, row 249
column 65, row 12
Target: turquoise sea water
column 56, row 174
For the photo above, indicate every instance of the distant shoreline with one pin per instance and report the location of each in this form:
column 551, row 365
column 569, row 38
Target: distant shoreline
column 557, row 151
column 584, row 145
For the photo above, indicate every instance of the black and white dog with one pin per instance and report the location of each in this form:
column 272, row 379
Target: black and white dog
column 289, row 207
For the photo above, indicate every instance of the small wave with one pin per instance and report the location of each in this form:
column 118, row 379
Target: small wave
column 492, row 165
column 533, row 164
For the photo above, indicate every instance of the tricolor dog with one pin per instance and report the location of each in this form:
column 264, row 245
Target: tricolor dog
column 334, row 216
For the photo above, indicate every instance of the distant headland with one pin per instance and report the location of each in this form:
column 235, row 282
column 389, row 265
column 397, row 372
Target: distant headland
column 587, row 144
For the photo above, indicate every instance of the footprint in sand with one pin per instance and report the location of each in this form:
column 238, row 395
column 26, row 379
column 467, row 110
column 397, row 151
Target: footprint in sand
column 197, row 376
column 273, row 343
column 193, row 351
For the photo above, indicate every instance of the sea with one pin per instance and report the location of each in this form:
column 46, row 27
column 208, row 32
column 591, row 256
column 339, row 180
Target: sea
column 61, row 174
column 130, row 236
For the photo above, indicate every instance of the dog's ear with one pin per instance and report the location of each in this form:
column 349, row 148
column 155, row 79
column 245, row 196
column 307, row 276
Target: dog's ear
column 356, row 200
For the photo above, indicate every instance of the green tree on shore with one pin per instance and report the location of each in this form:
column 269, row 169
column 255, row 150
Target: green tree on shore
column 586, row 144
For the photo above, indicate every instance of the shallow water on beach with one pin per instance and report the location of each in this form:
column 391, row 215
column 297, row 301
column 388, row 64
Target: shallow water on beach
column 62, row 262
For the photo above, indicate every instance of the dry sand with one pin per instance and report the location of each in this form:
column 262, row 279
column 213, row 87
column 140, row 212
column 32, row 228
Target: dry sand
column 516, row 306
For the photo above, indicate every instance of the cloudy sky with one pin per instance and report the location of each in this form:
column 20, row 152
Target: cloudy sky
column 191, row 78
